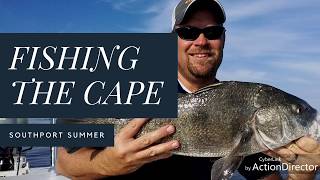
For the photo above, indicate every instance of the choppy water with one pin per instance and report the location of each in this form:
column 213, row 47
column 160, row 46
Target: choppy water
column 39, row 156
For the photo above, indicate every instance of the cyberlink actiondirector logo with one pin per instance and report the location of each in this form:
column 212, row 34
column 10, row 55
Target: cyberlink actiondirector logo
column 266, row 164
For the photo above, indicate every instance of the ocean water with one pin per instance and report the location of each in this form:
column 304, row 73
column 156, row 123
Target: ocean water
column 37, row 156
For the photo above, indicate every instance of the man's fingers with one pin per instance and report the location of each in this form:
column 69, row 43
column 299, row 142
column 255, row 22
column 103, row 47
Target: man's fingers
column 309, row 145
column 151, row 137
column 132, row 128
column 293, row 147
column 152, row 152
column 271, row 154
column 285, row 154
column 156, row 158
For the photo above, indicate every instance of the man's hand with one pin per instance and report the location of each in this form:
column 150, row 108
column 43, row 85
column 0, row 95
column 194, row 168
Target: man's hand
column 129, row 154
column 304, row 151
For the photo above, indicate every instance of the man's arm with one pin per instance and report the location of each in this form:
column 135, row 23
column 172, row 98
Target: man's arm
column 77, row 164
column 127, row 155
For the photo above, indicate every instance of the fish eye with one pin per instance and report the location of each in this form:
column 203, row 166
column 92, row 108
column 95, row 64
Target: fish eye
column 297, row 108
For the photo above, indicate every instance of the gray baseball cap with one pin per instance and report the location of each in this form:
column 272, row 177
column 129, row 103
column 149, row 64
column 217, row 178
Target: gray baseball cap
column 184, row 6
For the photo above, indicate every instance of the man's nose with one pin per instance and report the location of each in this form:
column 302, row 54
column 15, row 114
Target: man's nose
column 201, row 40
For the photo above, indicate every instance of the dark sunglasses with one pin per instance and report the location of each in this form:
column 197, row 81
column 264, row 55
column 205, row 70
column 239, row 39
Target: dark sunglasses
column 190, row 33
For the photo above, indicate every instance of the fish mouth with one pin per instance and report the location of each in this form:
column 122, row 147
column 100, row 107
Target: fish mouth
column 314, row 130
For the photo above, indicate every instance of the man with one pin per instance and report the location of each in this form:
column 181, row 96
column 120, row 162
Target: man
column 199, row 25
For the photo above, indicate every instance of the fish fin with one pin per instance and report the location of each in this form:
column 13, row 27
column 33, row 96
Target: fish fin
column 225, row 167
column 207, row 88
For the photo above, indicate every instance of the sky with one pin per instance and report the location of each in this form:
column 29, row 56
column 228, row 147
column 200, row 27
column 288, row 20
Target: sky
column 268, row 41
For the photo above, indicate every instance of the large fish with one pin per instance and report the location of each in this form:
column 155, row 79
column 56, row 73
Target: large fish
column 232, row 120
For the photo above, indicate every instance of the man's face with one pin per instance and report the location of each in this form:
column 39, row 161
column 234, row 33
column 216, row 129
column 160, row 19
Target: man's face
column 199, row 59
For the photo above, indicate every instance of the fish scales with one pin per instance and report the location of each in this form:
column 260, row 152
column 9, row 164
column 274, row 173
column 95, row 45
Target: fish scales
column 211, row 120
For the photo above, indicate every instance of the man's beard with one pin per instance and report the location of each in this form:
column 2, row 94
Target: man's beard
column 206, row 69
column 200, row 74
column 207, row 73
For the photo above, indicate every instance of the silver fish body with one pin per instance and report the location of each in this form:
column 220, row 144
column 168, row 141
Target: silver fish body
column 232, row 117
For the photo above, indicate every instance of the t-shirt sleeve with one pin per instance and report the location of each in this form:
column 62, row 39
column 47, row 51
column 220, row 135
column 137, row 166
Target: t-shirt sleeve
column 72, row 149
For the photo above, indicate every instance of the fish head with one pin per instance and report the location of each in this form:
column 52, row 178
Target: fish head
column 281, row 118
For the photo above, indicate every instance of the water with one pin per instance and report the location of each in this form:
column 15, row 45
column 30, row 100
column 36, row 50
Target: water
column 37, row 156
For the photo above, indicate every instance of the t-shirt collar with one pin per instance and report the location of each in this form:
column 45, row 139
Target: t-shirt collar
column 184, row 88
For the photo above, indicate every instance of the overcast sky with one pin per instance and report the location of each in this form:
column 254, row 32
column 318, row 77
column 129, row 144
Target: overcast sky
column 269, row 41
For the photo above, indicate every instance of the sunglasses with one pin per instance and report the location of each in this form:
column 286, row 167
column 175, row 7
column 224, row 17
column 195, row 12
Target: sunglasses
column 190, row 33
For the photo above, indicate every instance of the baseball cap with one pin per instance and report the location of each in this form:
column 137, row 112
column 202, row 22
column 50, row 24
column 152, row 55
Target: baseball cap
column 184, row 6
